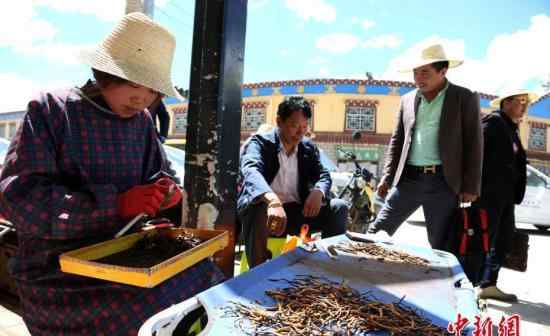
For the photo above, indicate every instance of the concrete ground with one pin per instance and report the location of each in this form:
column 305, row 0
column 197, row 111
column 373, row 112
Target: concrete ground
column 530, row 287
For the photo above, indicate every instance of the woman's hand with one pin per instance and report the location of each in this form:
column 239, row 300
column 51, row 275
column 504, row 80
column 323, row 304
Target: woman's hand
column 173, row 193
column 142, row 198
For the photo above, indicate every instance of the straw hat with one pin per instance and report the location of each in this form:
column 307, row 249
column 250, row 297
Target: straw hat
column 139, row 50
column 531, row 96
column 429, row 55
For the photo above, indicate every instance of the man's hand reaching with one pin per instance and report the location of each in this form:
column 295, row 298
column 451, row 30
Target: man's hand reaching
column 312, row 206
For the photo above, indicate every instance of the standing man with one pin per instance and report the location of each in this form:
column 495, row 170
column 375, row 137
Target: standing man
column 435, row 152
column 284, row 184
column 503, row 183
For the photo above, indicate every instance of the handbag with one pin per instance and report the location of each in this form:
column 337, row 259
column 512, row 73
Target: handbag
column 470, row 240
column 517, row 258
column 471, row 234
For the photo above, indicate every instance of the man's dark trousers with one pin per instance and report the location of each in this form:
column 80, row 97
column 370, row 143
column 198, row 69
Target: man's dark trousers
column 415, row 189
column 331, row 221
column 501, row 233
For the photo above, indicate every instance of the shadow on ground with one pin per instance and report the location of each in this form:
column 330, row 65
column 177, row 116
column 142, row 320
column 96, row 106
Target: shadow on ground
column 536, row 312
column 535, row 232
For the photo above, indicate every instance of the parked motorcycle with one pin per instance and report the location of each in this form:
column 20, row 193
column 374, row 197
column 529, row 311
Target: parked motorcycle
column 358, row 193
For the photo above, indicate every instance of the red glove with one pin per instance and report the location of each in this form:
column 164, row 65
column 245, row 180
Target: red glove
column 172, row 192
column 142, row 198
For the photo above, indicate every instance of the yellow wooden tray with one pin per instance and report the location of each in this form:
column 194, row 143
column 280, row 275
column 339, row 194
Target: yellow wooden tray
column 82, row 262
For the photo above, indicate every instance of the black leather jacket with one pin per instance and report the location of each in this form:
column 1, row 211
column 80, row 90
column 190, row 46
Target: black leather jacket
column 504, row 160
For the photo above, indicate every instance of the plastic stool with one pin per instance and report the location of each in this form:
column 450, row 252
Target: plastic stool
column 274, row 245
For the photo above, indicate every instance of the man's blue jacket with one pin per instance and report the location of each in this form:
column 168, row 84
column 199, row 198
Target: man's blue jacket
column 260, row 163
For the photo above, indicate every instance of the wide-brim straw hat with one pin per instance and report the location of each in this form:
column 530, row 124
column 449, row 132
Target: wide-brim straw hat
column 429, row 55
column 139, row 50
column 516, row 92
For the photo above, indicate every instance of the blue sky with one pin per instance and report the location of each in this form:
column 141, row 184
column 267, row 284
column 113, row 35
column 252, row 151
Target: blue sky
column 504, row 43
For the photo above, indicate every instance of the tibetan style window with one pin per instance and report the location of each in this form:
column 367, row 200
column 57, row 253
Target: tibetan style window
column 537, row 137
column 254, row 114
column 361, row 115
column 180, row 120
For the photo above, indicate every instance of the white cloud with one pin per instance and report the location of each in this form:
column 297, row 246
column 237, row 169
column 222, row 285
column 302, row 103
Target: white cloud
column 107, row 10
column 337, row 43
column 511, row 60
column 355, row 20
column 20, row 27
column 383, row 41
column 324, row 72
column 24, row 33
column 17, row 91
column 368, row 24
column 66, row 54
column 317, row 10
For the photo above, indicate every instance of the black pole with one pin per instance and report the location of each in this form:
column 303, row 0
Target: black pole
column 214, row 118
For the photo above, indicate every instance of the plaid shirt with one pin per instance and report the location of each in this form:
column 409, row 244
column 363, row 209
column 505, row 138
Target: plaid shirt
column 64, row 169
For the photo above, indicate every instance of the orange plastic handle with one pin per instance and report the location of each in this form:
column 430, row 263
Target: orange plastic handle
column 304, row 230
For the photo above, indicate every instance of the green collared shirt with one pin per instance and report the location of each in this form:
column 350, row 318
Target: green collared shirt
column 424, row 146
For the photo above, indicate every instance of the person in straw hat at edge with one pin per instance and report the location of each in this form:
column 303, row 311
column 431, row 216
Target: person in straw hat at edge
column 435, row 152
column 82, row 164
column 503, row 183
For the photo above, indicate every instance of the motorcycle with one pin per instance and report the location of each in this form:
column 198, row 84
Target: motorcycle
column 359, row 194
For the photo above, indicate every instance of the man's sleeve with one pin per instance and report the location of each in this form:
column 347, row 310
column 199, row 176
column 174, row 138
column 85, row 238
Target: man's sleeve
column 324, row 181
column 39, row 199
column 164, row 119
column 253, row 169
column 394, row 149
column 156, row 161
column 472, row 145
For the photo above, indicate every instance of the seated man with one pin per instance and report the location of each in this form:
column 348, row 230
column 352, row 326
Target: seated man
column 284, row 184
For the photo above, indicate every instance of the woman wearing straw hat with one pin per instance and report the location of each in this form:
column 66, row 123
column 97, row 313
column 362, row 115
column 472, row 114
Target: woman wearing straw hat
column 503, row 183
column 80, row 166
column 434, row 155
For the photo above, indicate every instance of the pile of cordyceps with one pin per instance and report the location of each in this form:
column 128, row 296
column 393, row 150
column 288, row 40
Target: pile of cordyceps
column 152, row 249
column 381, row 253
column 168, row 244
column 316, row 306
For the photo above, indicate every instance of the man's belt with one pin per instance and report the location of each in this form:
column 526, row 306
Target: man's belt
column 428, row 170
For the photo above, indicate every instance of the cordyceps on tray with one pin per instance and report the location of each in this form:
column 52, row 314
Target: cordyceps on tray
column 152, row 249
column 316, row 306
column 381, row 253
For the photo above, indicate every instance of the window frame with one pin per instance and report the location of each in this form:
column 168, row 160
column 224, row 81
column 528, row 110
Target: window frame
column 362, row 103
column 245, row 107
column 544, row 130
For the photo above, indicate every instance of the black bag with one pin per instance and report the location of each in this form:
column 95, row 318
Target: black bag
column 470, row 241
column 516, row 259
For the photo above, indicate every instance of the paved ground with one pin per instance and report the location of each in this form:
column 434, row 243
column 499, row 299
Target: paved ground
column 534, row 296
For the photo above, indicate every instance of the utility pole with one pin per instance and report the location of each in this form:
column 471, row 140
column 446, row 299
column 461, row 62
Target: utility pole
column 149, row 8
column 146, row 7
column 214, row 119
